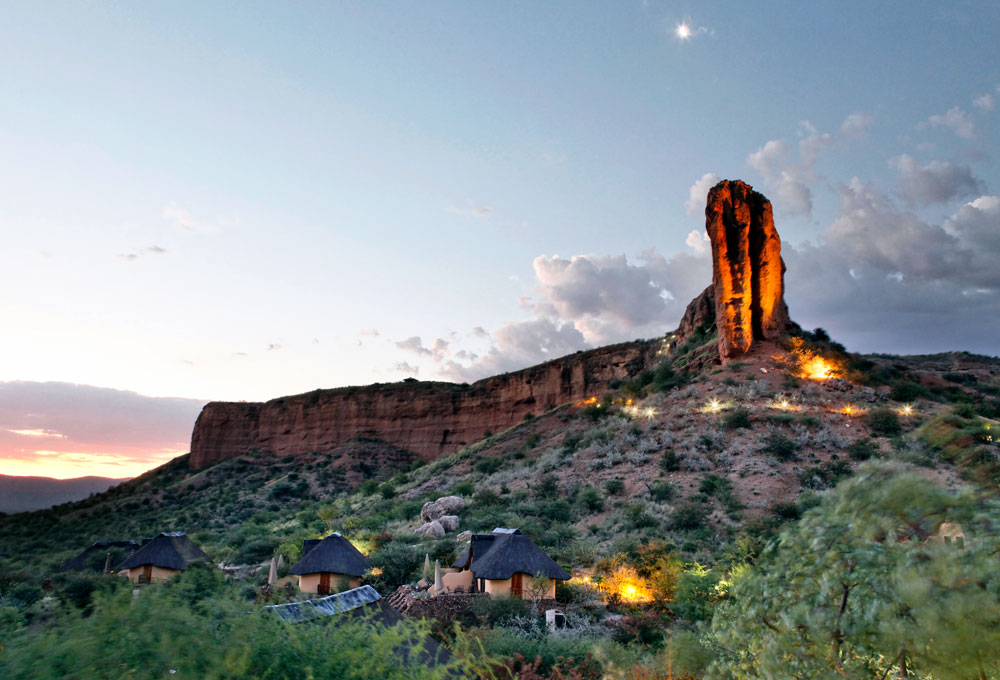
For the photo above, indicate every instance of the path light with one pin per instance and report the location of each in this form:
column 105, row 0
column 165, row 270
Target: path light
column 848, row 410
column 649, row 412
column 906, row 410
column 714, row 406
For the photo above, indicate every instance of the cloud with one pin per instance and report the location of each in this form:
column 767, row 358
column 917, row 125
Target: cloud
column 585, row 301
column 273, row 347
column 934, row 182
column 148, row 250
column 984, row 103
column 698, row 194
column 406, row 367
column 784, row 178
column 470, row 208
column 437, row 351
column 856, row 125
column 698, row 241
column 957, row 120
column 516, row 346
column 883, row 279
column 44, row 427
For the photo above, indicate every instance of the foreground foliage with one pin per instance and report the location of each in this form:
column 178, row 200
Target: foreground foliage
column 862, row 587
column 196, row 626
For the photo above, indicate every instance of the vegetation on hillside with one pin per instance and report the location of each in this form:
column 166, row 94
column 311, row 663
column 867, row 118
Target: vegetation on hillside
column 689, row 502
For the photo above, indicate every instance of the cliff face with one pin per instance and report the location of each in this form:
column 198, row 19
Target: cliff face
column 428, row 419
column 748, row 273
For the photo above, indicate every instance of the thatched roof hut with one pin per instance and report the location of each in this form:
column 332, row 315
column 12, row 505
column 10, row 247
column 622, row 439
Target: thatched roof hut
column 173, row 550
column 516, row 553
column 334, row 554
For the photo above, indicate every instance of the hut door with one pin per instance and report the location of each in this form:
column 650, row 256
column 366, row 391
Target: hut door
column 324, row 583
column 517, row 584
column 147, row 573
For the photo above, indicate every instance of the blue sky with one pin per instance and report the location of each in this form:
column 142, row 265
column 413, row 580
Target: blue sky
column 244, row 200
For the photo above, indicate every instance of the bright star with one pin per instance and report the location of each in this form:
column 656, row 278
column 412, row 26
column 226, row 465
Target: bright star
column 683, row 31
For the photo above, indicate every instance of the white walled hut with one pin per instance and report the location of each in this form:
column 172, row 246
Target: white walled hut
column 162, row 557
column 329, row 565
column 506, row 563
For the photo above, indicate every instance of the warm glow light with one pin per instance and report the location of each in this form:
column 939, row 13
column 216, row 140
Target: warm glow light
column 714, row 406
column 588, row 402
column 848, row 410
column 649, row 412
column 683, row 31
column 817, row 369
column 906, row 410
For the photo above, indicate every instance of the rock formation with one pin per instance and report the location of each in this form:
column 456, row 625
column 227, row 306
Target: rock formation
column 429, row 419
column 747, row 270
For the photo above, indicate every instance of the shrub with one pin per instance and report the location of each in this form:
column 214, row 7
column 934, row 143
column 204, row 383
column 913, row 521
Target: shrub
column 780, row 446
column 884, row 421
column 906, row 391
column 499, row 610
column 591, row 499
column 387, row 490
column 533, row 440
column 637, row 516
column 465, row 488
column 614, row 486
column 737, row 418
column 786, row 511
column 662, row 491
column 689, row 515
column 368, row 487
column 546, row 487
column 670, row 462
column 862, row 449
column 398, row 564
column 488, row 465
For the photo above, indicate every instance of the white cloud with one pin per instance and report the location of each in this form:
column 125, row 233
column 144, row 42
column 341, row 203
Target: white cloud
column 856, row 124
column 406, row 367
column 957, row 120
column 699, row 242
column 469, row 208
column 182, row 218
column 698, row 194
column 984, row 103
column 784, row 179
column 933, row 182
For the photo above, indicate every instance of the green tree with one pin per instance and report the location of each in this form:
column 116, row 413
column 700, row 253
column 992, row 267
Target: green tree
column 859, row 589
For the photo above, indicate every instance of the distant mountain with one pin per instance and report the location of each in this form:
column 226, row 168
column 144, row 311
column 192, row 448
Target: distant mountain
column 23, row 494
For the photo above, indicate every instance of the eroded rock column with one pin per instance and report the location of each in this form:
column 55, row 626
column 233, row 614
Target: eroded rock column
column 747, row 270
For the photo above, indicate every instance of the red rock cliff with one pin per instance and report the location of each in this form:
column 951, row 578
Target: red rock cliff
column 747, row 270
column 429, row 419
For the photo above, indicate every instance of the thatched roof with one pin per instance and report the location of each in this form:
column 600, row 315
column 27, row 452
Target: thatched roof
column 334, row 554
column 479, row 545
column 83, row 561
column 169, row 550
column 515, row 553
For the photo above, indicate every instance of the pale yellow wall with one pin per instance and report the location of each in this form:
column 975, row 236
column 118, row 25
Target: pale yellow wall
column 457, row 579
column 502, row 587
column 950, row 533
column 309, row 583
column 159, row 573
column 498, row 587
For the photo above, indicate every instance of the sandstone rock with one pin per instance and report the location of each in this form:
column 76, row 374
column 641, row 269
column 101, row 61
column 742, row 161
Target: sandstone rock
column 699, row 316
column 747, row 270
column 426, row 419
column 464, row 536
column 431, row 530
column 446, row 505
column 449, row 522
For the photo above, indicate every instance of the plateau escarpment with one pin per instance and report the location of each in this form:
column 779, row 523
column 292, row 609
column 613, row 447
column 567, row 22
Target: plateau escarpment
column 429, row 419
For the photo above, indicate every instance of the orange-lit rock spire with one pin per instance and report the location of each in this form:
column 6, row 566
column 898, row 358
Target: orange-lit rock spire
column 747, row 270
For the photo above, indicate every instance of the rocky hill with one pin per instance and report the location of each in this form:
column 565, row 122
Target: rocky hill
column 427, row 419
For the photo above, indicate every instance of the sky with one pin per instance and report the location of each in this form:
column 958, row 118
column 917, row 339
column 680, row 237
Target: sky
column 238, row 201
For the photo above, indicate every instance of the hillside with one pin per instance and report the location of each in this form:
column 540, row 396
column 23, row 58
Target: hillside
column 22, row 494
column 690, row 456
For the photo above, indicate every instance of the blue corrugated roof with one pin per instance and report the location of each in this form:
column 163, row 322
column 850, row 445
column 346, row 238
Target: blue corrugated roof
column 295, row 612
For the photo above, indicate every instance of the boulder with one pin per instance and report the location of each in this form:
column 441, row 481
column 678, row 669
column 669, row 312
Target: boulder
column 431, row 530
column 446, row 505
column 449, row 522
